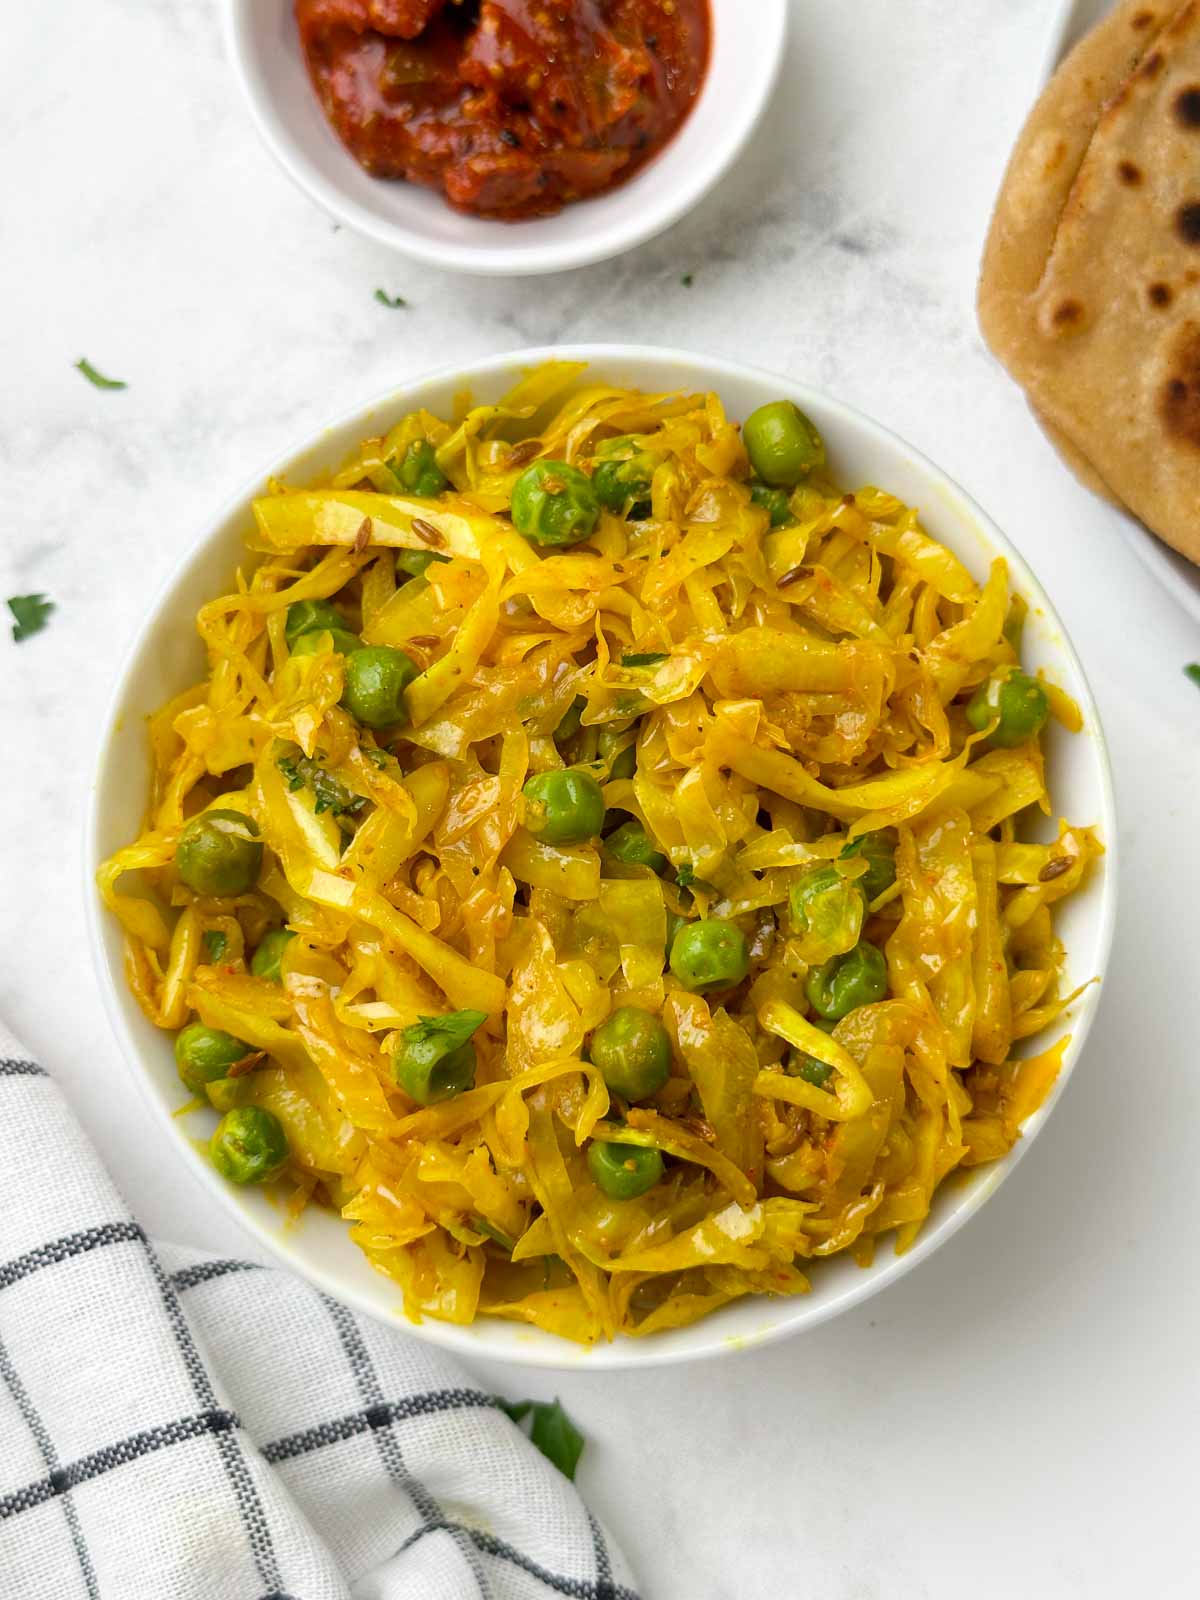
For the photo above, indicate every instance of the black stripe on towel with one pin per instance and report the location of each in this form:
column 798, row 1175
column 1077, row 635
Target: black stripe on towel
column 72, row 1244
column 373, row 1417
column 573, row 1588
column 63, row 1479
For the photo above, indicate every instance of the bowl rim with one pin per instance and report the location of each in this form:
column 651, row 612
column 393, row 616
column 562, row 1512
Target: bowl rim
column 798, row 1314
column 498, row 260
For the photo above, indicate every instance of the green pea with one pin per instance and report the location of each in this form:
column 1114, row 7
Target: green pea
column 225, row 1093
column 782, row 443
column 417, row 470
column 265, row 963
column 623, row 475
column 249, row 1145
column 878, row 849
column 632, row 844
column 318, row 639
column 435, row 1058
column 219, row 852
column 307, row 616
column 775, row 503
column 564, row 807
column 633, row 1051
column 570, row 721
column 623, row 1171
column 823, row 903
column 554, row 503
column 811, row 1068
column 710, row 954
column 205, row 1054
column 417, row 562
column 1019, row 701
column 858, row 978
column 374, row 683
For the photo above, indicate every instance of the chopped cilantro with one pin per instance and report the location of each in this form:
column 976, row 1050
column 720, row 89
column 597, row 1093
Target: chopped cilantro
column 30, row 612
column 377, row 758
column 392, row 301
column 551, row 1430
column 482, row 1225
column 330, row 793
column 295, row 779
column 1192, row 670
column 97, row 378
column 215, row 943
column 649, row 658
column 450, row 1031
column 685, row 875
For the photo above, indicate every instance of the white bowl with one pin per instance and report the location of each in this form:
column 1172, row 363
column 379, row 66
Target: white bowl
column 167, row 656
column 263, row 43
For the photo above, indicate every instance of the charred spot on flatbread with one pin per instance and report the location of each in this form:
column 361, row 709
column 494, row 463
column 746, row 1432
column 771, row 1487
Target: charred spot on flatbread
column 1067, row 314
column 1129, row 173
column 1186, row 107
column 1179, row 401
column 1187, row 222
column 1159, row 295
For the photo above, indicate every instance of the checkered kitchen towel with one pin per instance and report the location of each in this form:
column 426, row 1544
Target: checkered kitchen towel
column 177, row 1426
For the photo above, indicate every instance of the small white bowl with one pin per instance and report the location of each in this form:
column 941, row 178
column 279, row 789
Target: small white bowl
column 263, row 43
column 167, row 657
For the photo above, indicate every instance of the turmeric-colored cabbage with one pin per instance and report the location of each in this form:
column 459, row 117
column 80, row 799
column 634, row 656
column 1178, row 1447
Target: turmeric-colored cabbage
column 773, row 705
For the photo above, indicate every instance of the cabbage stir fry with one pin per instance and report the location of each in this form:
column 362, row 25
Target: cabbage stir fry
column 593, row 863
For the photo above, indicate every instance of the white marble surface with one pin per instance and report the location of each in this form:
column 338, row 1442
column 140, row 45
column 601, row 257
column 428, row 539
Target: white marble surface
column 1019, row 1416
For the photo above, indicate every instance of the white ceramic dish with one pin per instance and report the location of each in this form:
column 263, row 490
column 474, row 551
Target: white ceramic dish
column 747, row 46
column 167, row 656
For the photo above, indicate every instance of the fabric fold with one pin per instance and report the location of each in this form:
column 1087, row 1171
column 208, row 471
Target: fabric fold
column 175, row 1425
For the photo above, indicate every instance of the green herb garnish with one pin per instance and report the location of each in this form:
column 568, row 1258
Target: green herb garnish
column 30, row 612
column 1192, row 670
column 685, row 875
column 452, row 1029
column 97, row 378
column 215, row 943
column 377, row 758
column 392, row 302
column 649, row 658
column 552, row 1431
column 482, row 1225
column 331, row 794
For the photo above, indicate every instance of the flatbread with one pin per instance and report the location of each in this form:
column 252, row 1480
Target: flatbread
column 1079, row 464
column 1090, row 291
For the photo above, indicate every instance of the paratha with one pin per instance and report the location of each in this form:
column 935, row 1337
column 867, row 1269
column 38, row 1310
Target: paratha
column 1090, row 292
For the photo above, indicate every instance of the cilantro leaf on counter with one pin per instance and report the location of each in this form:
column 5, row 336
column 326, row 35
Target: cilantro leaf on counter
column 97, row 379
column 30, row 612
column 1192, row 671
column 688, row 279
column 392, row 302
column 551, row 1430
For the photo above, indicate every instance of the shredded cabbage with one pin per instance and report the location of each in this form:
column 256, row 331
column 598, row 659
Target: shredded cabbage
column 792, row 689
